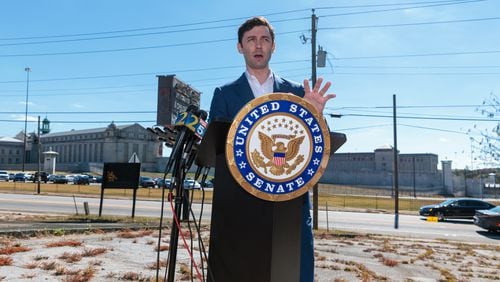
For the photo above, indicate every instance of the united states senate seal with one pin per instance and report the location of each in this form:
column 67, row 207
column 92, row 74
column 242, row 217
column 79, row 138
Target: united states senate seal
column 278, row 147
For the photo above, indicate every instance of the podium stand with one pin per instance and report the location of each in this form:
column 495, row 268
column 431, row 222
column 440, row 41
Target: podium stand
column 250, row 239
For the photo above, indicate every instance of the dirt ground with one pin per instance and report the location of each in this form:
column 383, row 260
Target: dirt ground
column 131, row 256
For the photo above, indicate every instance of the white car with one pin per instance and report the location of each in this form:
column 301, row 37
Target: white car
column 191, row 184
column 4, row 175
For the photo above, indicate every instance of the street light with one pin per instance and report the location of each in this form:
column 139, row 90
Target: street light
column 28, row 70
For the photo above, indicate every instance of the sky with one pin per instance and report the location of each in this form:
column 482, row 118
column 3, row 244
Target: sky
column 93, row 62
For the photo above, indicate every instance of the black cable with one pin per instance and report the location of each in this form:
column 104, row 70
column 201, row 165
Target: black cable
column 425, row 118
column 408, row 24
column 404, row 8
column 143, row 74
column 420, row 55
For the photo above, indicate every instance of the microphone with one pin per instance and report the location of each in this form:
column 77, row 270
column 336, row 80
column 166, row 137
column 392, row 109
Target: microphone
column 184, row 125
column 191, row 148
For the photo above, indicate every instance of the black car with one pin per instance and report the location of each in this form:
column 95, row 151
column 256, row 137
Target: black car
column 20, row 177
column 81, row 180
column 455, row 209
column 488, row 219
column 145, row 181
column 43, row 177
column 60, row 179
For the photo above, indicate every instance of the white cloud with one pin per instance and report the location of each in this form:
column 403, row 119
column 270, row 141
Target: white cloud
column 29, row 103
column 28, row 118
column 79, row 106
column 443, row 140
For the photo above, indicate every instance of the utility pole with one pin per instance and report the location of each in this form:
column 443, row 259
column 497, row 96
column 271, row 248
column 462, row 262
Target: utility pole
column 38, row 145
column 314, row 20
column 27, row 70
column 396, row 171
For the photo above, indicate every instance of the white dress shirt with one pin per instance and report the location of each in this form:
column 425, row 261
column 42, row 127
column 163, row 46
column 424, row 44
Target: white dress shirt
column 260, row 89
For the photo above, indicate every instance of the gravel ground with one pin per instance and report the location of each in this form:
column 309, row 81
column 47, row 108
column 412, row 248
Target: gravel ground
column 131, row 256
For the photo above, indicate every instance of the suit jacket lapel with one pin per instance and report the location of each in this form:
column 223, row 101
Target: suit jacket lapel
column 278, row 84
column 243, row 89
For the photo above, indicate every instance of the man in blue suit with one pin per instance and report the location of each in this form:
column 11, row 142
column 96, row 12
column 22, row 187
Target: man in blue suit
column 256, row 44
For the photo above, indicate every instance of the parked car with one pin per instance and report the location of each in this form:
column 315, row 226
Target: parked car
column 145, row 181
column 92, row 178
column 71, row 178
column 168, row 181
column 98, row 179
column 11, row 176
column 20, row 177
column 488, row 219
column 60, row 179
column 4, row 176
column 81, row 180
column 462, row 208
column 208, row 184
column 43, row 177
column 29, row 176
column 191, row 184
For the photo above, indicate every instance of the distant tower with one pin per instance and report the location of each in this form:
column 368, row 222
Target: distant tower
column 45, row 126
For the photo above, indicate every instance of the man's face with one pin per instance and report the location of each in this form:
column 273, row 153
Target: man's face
column 257, row 47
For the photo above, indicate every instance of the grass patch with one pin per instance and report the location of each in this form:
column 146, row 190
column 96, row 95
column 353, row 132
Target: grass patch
column 13, row 249
column 66, row 243
column 5, row 260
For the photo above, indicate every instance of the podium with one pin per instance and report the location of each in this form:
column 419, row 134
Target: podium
column 250, row 239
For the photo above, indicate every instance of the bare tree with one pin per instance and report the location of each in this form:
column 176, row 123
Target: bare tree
column 486, row 140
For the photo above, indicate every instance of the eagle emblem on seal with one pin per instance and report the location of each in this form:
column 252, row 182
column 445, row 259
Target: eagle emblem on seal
column 281, row 158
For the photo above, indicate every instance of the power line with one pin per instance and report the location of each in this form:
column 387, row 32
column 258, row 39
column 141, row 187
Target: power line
column 117, row 49
column 407, row 107
column 433, row 128
column 424, row 118
column 78, row 89
column 86, row 121
column 406, row 113
column 158, row 27
column 144, row 73
column 419, row 55
column 415, row 67
column 408, row 24
column 363, row 127
column 217, row 21
column 85, row 93
column 404, row 8
column 81, row 112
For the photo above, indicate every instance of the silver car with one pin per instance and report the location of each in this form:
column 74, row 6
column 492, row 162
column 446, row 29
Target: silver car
column 4, row 176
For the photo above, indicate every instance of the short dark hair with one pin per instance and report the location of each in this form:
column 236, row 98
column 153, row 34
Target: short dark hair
column 251, row 23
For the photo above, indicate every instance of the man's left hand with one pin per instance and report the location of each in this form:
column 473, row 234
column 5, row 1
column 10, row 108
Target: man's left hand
column 317, row 97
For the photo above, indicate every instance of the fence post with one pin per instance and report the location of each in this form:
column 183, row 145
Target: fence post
column 327, row 223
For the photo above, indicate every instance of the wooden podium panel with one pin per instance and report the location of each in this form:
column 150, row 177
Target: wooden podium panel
column 252, row 239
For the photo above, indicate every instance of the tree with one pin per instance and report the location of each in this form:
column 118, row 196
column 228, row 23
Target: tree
column 486, row 140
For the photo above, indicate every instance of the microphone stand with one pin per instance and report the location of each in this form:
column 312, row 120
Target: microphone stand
column 178, row 174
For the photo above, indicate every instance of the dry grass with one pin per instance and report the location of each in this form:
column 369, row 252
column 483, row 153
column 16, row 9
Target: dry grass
column 93, row 252
column 49, row 265
column 40, row 257
column 9, row 250
column 83, row 275
column 133, row 276
column 71, row 257
column 389, row 262
column 66, row 243
column 5, row 260
column 426, row 255
column 153, row 265
column 162, row 248
column 129, row 234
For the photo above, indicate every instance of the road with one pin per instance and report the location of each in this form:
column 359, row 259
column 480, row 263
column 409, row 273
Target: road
column 409, row 225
